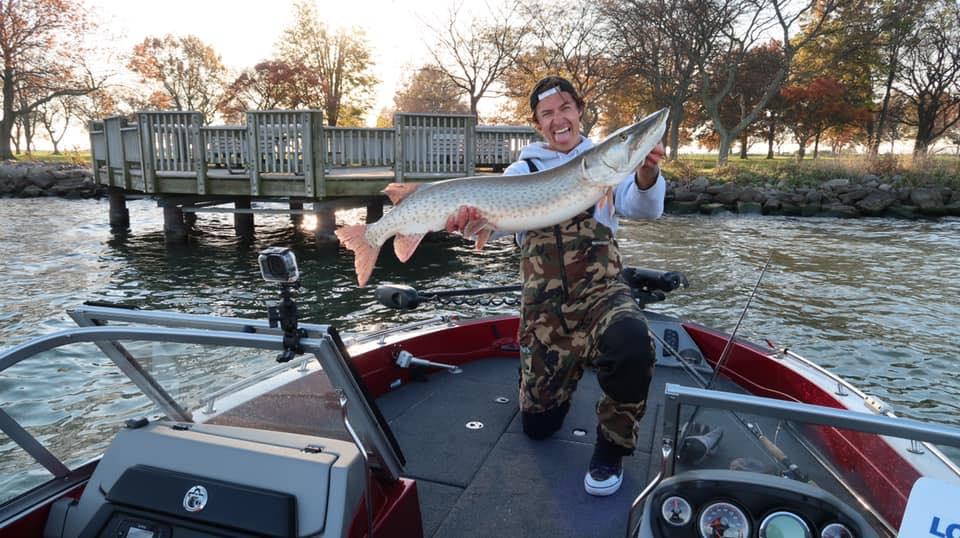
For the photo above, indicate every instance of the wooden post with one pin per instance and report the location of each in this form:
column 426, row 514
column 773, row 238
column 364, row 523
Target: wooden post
column 470, row 145
column 93, row 150
column 398, row 163
column 296, row 218
column 315, row 154
column 174, row 229
column 326, row 225
column 253, row 149
column 374, row 209
column 243, row 222
column 199, row 152
column 119, row 214
column 147, row 164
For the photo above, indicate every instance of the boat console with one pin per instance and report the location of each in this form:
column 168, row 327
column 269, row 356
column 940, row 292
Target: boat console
column 168, row 479
column 713, row 503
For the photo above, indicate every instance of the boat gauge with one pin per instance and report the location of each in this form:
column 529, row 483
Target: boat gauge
column 676, row 511
column 784, row 525
column 836, row 530
column 723, row 520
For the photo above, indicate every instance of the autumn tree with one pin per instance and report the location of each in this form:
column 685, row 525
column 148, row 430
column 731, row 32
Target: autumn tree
column 43, row 58
column 655, row 41
column 931, row 75
column 475, row 52
column 744, row 24
column 813, row 108
column 428, row 89
column 333, row 67
column 187, row 70
column 269, row 84
column 566, row 40
column 54, row 116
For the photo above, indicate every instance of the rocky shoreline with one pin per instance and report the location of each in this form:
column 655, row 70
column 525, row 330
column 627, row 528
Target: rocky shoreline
column 869, row 196
column 842, row 197
column 33, row 180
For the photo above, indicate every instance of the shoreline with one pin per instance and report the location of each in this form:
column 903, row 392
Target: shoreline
column 869, row 196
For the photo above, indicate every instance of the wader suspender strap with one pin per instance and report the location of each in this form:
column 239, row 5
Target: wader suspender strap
column 531, row 165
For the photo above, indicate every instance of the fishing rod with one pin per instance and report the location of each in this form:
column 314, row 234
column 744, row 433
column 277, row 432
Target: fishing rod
column 692, row 440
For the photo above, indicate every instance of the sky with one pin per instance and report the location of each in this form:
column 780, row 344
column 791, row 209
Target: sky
column 245, row 32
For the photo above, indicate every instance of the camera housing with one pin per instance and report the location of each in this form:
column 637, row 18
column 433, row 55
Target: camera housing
column 278, row 264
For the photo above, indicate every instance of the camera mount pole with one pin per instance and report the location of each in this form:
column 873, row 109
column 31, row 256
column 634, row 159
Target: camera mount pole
column 284, row 315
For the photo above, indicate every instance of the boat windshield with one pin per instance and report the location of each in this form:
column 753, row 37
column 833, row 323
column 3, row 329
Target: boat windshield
column 736, row 461
column 64, row 396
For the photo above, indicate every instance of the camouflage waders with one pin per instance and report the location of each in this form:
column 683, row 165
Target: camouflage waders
column 571, row 295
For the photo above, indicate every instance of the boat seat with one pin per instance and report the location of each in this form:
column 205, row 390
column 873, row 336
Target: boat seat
column 166, row 479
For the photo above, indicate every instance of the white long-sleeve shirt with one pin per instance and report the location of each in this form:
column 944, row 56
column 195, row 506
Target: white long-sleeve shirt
column 629, row 201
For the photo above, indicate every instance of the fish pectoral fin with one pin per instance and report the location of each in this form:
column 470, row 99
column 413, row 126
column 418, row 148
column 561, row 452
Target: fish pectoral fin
column 474, row 227
column 482, row 237
column 606, row 201
column 396, row 192
column 405, row 245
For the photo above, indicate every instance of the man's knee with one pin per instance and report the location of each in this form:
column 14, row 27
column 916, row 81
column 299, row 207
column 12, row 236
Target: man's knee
column 542, row 425
column 626, row 358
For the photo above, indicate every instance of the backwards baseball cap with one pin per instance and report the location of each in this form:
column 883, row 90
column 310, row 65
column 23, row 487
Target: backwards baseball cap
column 549, row 86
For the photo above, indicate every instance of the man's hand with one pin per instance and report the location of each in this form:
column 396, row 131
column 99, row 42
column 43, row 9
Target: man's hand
column 463, row 218
column 647, row 173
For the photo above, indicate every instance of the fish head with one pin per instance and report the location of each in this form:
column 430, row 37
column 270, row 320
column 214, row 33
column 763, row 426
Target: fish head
column 624, row 150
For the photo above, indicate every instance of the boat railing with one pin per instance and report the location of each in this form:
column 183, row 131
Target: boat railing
column 325, row 347
column 677, row 396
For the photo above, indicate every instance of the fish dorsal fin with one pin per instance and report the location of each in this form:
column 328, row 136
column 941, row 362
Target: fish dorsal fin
column 396, row 192
column 405, row 245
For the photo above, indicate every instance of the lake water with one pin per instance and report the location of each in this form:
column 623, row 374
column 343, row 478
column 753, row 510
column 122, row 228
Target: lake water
column 874, row 300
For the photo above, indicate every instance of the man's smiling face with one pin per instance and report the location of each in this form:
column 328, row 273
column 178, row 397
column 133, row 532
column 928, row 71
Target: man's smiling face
column 558, row 121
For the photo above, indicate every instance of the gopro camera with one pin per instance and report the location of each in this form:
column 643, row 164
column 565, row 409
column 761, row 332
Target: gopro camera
column 278, row 264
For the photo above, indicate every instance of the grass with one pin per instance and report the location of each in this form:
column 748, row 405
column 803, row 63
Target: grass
column 757, row 170
column 65, row 157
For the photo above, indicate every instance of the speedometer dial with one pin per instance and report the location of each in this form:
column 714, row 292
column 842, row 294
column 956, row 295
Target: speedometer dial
column 723, row 520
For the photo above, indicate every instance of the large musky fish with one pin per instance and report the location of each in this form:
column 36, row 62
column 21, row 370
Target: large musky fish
column 505, row 203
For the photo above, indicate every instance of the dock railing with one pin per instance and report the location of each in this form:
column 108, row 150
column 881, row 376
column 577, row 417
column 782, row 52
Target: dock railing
column 290, row 152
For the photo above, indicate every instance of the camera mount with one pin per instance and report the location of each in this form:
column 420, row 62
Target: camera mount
column 278, row 264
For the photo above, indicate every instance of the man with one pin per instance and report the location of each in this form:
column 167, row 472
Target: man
column 575, row 310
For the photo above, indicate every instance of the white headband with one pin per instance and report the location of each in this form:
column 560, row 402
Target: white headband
column 547, row 93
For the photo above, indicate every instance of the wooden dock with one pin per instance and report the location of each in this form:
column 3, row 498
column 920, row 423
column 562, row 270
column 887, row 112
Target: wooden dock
column 286, row 155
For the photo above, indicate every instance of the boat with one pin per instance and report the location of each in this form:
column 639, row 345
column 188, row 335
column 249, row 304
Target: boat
column 413, row 430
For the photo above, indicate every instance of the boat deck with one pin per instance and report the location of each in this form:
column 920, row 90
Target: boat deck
column 495, row 481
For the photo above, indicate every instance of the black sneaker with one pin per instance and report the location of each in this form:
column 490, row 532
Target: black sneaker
column 603, row 478
column 606, row 468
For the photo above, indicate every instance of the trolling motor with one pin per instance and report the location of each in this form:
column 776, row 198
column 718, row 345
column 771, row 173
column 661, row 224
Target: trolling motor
column 278, row 264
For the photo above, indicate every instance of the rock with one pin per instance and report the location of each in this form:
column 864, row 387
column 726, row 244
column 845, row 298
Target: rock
column 791, row 209
column 771, row 206
column 952, row 209
column 902, row 211
column 31, row 191
column 809, row 210
column 751, row 195
column 853, row 195
column 886, row 187
column 835, row 183
column 871, row 178
column 839, row 210
column 728, row 197
column 713, row 208
column 41, row 177
column 928, row 201
column 814, row 197
column 875, row 203
column 685, row 196
column 720, row 187
column 699, row 185
column 681, row 208
column 749, row 208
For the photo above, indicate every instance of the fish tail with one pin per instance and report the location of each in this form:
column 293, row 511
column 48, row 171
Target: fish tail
column 365, row 255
